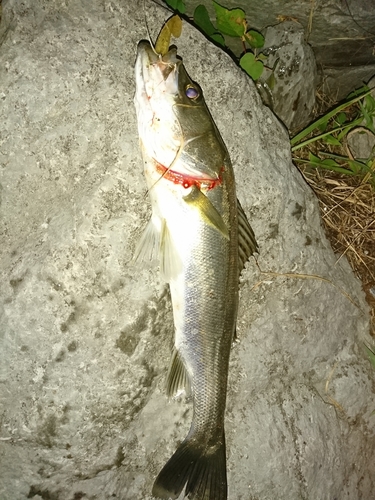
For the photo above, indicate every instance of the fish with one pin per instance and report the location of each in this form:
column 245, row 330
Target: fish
column 200, row 235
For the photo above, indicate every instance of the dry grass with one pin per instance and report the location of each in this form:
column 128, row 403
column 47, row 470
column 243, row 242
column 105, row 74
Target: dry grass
column 347, row 206
column 348, row 212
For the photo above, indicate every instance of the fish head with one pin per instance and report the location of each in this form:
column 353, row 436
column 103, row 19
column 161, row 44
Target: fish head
column 156, row 91
column 174, row 124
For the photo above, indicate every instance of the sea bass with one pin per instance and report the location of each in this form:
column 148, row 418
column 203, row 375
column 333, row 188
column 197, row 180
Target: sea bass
column 203, row 239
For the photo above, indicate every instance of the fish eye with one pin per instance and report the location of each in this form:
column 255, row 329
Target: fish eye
column 191, row 92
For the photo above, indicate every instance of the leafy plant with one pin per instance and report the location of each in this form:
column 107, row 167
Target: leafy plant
column 203, row 21
column 177, row 5
column 332, row 130
column 231, row 23
column 370, row 354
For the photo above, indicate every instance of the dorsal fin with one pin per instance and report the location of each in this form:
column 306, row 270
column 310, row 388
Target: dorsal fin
column 247, row 244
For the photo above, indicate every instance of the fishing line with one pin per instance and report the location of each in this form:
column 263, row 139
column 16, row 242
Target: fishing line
column 178, row 153
column 147, row 28
column 184, row 142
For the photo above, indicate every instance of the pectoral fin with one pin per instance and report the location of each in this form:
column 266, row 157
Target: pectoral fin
column 170, row 262
column 197, row 200
column 147, row 248
column 156, row 242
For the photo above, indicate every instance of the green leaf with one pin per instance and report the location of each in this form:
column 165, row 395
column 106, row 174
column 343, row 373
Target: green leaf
column 330, row 162
column 356, row 166
column 327, row 164
column 203, row 21
column 252, row 67
column 369, row 103
column 359, row 92
column 354, row 97
column 370, row 354
column 340, row 170
column 344, row 132
column 178, row 5
column 314, row 159
column 271, row 80
column 330, row 139
column 368, row 113
column 345, row 129
column 322, row 127
column 254, row 39
column 230, row 22
column 219, row 39
column 341, row 118
column 340, row 130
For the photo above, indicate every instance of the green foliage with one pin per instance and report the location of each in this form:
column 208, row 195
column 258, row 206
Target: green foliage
column 332, row 129
column 370, row 354
column 177, row 5
column 254, row 39
column 231, row 23
column 251, row 65
column 203, row 21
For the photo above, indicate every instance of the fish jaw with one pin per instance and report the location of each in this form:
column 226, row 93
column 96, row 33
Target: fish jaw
column 176, row 130
column 156, row 87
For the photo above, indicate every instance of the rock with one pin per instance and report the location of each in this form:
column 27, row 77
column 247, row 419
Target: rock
column 361, row 143
column 339, row 82
column 86, row 336
column 295, row 73
column 341, row 34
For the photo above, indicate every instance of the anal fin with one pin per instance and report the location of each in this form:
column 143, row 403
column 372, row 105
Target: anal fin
column 177, row 378
column 147, row 248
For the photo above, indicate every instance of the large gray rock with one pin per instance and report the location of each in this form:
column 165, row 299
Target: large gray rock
column 296, row 77
column 341, row 33
column 86, row 336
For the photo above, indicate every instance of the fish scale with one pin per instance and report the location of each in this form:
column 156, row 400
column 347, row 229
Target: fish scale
column 195, row 229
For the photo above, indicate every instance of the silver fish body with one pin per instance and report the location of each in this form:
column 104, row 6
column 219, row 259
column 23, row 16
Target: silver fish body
column 197, row 228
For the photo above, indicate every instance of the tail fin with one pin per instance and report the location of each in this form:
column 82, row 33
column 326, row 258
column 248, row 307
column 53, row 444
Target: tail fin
column 201, row 468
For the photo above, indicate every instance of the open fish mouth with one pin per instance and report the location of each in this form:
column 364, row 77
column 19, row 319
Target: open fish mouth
column 156, row 73
column 173, row 120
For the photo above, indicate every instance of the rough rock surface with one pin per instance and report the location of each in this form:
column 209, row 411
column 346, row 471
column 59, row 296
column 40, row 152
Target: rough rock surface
column 341, row 33
column 85, row 337
column 296, row 76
